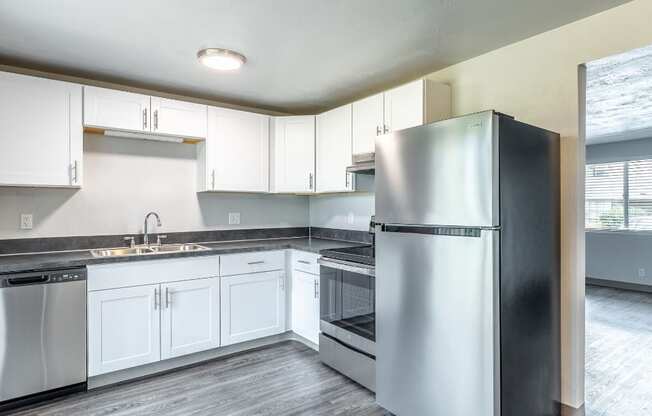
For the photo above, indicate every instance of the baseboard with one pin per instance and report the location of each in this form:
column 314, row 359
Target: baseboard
column 173, row 364
column 571, row 411
column 618, row 285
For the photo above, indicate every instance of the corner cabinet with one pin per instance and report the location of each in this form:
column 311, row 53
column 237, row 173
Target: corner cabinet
column 413, row 104
column 333, row 150
column 252, row 306
column 293, row 154
column 235, row 155
column 42, row 134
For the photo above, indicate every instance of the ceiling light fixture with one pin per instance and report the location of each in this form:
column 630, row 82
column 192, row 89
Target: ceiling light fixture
column 221, row 59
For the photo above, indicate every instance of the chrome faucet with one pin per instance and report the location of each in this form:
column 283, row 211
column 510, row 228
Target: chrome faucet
column 146, row 234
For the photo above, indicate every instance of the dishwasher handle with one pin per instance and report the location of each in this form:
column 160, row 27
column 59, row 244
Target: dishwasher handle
column 29, row 280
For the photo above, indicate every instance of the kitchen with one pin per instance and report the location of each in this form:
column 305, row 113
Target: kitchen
column 238, row 226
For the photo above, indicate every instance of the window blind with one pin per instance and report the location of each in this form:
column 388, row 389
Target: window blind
column 619, row 195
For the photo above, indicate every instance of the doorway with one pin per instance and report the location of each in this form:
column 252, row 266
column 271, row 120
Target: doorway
column 618, row 234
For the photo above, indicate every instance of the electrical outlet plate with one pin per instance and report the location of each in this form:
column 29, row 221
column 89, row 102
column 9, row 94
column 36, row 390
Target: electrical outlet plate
column 234, row 218
column 26, row 221
column 641, row 272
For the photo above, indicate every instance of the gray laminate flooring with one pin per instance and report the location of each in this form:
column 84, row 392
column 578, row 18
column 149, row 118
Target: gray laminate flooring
column 618, row 352
column 283, row 379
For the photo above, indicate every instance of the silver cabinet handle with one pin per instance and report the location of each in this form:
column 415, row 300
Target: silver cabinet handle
column 385, row 129
column 156, row 299
column 346, row 175
column 168, row 297
column 75, row 171
column 310, row 177
column 316, row 289
column 155, row 119
column 303, row 262
column 213, row 180
column 379, row 131
column 252, row 263
column 145, row 119
column 282, row 282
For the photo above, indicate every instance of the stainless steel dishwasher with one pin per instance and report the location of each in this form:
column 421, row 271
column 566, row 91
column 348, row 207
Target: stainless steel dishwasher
column 42, row 335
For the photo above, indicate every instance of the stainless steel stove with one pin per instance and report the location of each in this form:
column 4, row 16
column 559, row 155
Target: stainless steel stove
column 347, row 341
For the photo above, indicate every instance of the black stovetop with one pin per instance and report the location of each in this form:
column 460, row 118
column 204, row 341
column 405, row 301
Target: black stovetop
column 365, row 254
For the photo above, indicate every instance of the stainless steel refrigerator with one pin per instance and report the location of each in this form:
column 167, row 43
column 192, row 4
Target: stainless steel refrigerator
column 468, row 269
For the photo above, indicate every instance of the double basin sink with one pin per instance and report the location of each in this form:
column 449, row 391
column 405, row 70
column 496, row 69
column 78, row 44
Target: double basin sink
column 147, row 250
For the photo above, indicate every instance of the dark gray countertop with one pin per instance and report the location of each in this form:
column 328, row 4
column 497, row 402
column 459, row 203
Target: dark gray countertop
column 66, row 259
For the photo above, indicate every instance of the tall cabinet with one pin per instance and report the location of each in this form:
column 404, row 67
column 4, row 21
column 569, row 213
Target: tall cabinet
column 333, row 151
column 413, row 104
column 41, row 132
column 235, row 155
column 293, row 154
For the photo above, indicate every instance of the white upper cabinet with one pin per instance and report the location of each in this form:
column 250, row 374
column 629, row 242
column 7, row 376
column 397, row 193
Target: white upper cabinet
column 419, row 102
column 413, row 104
column 118, row 110
column 178, row 118
column 190, row 317
column 334, row 150
column 293, row 154
column 235, row 155
column 41, row 132
column 367, row 122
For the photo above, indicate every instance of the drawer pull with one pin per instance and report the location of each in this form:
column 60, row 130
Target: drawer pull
column 252, row 263
column 303, row 262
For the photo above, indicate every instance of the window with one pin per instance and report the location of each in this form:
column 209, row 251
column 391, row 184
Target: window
column 619, row 195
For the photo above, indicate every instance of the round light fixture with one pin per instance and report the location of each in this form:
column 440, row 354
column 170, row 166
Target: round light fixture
column 221, row 59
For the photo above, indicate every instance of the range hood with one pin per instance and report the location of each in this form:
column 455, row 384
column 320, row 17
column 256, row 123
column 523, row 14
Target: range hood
column 364, row 163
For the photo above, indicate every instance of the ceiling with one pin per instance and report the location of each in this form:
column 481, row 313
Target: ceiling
column 619, row 97
column 303, row 55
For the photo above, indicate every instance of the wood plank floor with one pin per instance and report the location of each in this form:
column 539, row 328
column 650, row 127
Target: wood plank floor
column 618, row 352
column 283, row 379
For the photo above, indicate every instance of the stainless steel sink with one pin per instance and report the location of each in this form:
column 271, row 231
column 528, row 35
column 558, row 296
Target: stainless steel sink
column 173, row 248
column 146, row 250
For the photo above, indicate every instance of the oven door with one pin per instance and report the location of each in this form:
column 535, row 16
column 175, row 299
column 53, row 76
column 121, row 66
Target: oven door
column 348, row 303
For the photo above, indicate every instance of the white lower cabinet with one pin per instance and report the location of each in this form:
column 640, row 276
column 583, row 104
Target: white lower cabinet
column 123, row 328
column 305, row 305
column 190, row 317
column 252, row 306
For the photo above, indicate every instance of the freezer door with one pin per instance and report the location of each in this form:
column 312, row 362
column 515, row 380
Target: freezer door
column 437, row 323
column 445, row 173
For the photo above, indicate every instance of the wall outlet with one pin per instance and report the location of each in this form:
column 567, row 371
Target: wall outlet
column 350, row 219
column 641, row 272
column 26, row 221
column 234, row 218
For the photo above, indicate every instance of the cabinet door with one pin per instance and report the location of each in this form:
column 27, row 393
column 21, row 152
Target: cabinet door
column 123, row 328
column 252, row 306
column 294, row 154
column 112, row 109
column 367, row 122
column 334, row 150
column 178, row 118
column 236, row 151
column 190, row 316
column 404, row 106
column 305, row 305
column 40, row 132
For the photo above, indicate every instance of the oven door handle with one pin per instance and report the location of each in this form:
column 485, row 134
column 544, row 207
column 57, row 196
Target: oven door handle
column 347, row 266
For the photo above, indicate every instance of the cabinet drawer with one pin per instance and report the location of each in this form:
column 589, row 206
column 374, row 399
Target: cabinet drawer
column 306, row 262
column 244, row 263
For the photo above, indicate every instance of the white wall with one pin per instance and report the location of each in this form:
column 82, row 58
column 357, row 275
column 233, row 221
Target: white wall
column 123, row 180
column 350, row 211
